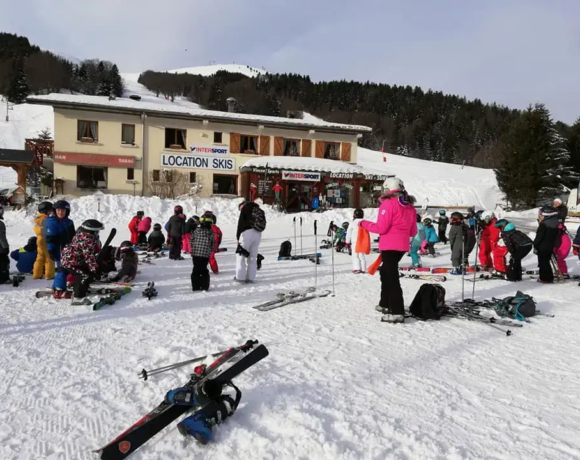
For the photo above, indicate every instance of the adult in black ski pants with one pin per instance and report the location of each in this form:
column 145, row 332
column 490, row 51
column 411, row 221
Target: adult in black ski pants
column 200, row 274
column 391, row 291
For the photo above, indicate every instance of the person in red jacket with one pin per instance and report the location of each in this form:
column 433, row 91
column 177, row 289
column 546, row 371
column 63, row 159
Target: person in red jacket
column 217, row 234
column 134, row 227
column 277, row 189
column 488, row 241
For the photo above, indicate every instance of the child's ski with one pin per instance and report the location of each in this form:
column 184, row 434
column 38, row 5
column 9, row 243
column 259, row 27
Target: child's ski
column 416, row 269
column 450, row 269
column 486, row 276
column 436, row 278
column 303, row 256
column 309, row 295
column 111, row 298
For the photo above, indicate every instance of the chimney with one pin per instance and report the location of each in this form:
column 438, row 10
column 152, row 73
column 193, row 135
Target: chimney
column 231, row 102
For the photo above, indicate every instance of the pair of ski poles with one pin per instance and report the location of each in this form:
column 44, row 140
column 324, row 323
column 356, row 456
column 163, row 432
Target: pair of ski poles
column 295, row 243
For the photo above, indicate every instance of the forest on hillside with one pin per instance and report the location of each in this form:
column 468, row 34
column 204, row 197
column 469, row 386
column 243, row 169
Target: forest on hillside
column 26, row 69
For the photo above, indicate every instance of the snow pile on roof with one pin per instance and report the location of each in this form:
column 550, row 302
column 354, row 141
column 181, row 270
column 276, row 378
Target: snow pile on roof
column 303, row 164
column 435, row 183
column 209, row 70
column 155, row 106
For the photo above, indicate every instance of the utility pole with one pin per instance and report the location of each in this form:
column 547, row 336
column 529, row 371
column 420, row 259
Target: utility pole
column 8, row 107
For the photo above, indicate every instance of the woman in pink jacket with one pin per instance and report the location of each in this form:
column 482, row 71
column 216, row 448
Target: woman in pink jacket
column 143, row 229
column 562, row 249
column 396, row 225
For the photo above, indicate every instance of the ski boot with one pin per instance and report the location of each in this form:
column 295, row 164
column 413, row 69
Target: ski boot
column 393, row 319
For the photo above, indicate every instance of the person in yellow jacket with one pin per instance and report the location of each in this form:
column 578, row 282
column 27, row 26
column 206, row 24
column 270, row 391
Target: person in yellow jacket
column 44, row 265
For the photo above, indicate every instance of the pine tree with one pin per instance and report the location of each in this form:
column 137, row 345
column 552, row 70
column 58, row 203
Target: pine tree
column 103, row 82
column 535, row 164
column 117, row 85
column 18, row 90
column 574, row 145
column 45, row 134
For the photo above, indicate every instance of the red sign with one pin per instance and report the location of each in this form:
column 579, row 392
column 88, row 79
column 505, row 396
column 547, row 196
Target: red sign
column 91, row 159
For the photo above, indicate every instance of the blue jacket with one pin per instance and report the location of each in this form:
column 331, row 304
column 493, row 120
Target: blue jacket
column 24, row 259
column 431, row 234
column 59, row 233
column 420, row 236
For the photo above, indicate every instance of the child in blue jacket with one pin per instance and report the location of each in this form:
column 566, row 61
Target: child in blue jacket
column 430, row 235
column 416, row 243
column 25, row 256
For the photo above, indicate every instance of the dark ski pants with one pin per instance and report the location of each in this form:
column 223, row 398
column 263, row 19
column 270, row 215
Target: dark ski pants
column 514, row 269
column 175, row 251
column 431, row 248
column 391, row 291
column 545, row 266
column 442, row 236
column 4, row 268
column 142, row 238
column 200, row 274
column 83, row 279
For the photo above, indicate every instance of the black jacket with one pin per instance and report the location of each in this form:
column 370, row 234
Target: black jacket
column 576, row 241
column 156, row 239
column 190, row 225
column 562, row 212
column 442, row 223
column 245, row 219
column 514, row 240
column 547, row 235
column 176, row 227
column 4, row 246
column 129, row 265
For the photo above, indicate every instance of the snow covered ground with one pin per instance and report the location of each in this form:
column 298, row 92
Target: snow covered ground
column 338, row 383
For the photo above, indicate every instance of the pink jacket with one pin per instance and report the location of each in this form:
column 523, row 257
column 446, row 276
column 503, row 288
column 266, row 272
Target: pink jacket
column 563, row 250
column 396, row 225
column 145, row 225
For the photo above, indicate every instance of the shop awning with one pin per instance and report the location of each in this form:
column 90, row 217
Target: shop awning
column 329, row 168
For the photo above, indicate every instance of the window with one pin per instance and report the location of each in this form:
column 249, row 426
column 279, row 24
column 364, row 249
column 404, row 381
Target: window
column 249, row 144
column 192, row 178
column 332, row 150
column 168, row 176
column 127, row 134
column 156, row 175
column 91, row 178
column 130, row 173
column 224, row 184
column 217, row 138
column 87, row 131
column 291, row 148
column 175, row 138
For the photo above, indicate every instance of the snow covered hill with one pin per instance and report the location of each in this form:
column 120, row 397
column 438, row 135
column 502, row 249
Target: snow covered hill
column 208, row 70
column 338, row 384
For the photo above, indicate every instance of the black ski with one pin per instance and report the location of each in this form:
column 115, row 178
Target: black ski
column 106, row 245
column 164, row 414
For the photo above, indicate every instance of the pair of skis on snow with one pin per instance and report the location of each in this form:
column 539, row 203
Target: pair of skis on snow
column 165, row 413
column 287, row 298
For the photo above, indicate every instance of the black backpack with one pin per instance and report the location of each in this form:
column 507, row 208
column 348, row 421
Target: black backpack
column 285, row 249
column 520, row 306
column 258, row 219
column 429, row 303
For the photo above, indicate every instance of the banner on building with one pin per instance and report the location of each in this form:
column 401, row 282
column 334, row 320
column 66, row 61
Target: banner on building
column 301, row 176
column 195, row 162
column 203, row 149
column 94, row 159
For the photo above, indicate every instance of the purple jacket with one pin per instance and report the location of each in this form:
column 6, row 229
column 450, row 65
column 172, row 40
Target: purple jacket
column 396, row 225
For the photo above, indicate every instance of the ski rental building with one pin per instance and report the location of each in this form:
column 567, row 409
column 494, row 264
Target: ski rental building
column 155, row 147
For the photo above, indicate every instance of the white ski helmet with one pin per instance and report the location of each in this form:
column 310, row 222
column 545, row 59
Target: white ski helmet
column 487, row 216
column 393, row 184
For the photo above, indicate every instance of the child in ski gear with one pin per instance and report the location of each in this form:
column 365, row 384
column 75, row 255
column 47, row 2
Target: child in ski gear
column 430, row 235
column 134, row 226
column 339, row 240
column 143, row 228
column 60, row 231
column 457, row 241
column 217, row 234
column 129, row 262
column 25, row 256
column 359, row 262
column 44, row 265
column 416, row 244
column 4, row 251
column 472, row 229
column 156, row 239
column 488, row 239
column 80, row 257
column 562, row 210
column 396, row 224
column 176, row 230
column 202, row 246
column 562, row 249
column 251, row 224
column 517, row 244
column 442, row 224
column 545, row 241
column 107, row 260
column 190, row 225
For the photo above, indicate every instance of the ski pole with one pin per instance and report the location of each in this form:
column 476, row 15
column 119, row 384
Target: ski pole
column 145, row 374
column 300, row 235
column 295, row 244
column 477, row 241
column 332, row 249
column 463, row 269
column 315, row 256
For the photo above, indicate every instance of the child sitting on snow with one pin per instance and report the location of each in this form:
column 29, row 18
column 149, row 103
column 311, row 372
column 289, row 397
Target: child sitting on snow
column 156, row 239
column 25, row 256
column 129, row 263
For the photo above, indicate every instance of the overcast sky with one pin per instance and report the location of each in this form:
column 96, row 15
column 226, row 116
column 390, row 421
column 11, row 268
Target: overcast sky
column 514, row 52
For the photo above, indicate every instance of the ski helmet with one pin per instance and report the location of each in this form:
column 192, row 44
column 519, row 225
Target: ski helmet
column 548, row 211
column 62, row 204
column 470, row 210
column 157, row 227
column 456, row 217
column 393, row 184
column 45, row 207
column 509, row 227
column 140, row 213
column 358, row 213
column 345, row 225
column 487, row 216
column 32, row 241
column 92, row 226
column 124, row 247
column 442, row 212
column 427, row 220
column 178, row 210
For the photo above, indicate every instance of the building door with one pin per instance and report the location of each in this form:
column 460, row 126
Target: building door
column 225, row 184
column 300, row 196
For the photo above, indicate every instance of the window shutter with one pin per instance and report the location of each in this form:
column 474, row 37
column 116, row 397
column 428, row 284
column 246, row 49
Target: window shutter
column 265, row 145
column 306, row 148
column 278, row 146
column 345, row 151
column 235, row 143
column 319, row 149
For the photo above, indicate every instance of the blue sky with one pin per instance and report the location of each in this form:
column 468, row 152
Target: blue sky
column 514, row 52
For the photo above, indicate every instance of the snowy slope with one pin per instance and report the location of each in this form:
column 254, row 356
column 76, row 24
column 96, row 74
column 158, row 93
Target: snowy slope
column 338, row 383
column 132, row 86
column 208, row 70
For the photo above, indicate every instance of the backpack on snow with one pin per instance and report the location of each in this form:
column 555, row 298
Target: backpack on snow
column 285, row 249
column 429, row 302
column 258, row 219
column 520, row 306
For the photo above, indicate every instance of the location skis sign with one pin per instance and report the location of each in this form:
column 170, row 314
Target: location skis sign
column 198, row 162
